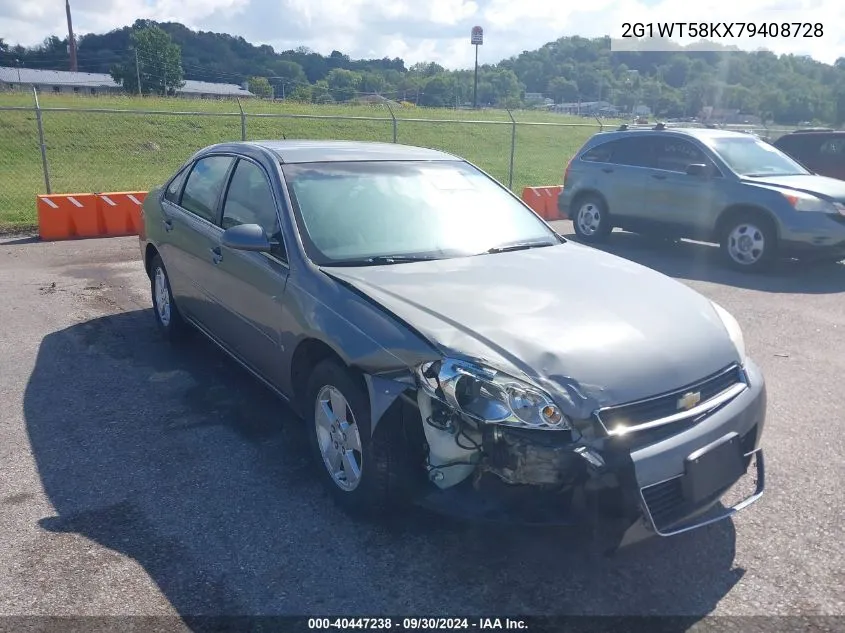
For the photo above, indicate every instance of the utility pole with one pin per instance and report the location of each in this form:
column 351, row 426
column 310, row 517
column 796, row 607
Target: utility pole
column 138, row 72
column 71, row 40
column 476, row 39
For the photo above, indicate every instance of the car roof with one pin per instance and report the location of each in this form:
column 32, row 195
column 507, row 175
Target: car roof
column 319, row 151
column 694, row 132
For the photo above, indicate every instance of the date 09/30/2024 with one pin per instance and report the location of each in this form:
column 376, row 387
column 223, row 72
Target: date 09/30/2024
column 417, row 624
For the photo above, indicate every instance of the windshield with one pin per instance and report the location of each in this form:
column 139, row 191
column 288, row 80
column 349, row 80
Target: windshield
column 753, row 157
column 353, row 212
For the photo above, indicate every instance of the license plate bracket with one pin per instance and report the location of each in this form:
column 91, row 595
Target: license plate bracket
column 713, row 468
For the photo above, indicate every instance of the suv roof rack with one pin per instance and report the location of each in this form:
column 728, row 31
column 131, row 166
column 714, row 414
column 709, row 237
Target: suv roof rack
column 813, row 129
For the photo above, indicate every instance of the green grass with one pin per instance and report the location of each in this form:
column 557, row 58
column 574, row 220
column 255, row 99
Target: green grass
column 119, row 151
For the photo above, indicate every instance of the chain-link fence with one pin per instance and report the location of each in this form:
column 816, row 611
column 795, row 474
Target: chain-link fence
column 59, row 149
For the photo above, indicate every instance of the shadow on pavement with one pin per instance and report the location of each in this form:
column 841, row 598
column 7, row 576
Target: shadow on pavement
column 697, row 261
column 177, row 459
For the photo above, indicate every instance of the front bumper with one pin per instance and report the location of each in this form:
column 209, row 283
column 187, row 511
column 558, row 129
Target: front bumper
column 815, row 235
column 647, row 488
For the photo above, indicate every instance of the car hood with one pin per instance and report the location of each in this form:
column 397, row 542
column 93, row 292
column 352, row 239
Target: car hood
column 831, row 188
column 592, row 328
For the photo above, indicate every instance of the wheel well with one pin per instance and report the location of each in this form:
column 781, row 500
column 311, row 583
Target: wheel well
column 589, row 192
column 307, row 355
column 733, row 211
column 149, row 253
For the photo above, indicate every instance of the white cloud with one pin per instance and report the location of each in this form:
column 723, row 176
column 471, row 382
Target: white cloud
column 435, row 30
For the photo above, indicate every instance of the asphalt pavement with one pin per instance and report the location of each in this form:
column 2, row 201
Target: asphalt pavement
column 141, row 479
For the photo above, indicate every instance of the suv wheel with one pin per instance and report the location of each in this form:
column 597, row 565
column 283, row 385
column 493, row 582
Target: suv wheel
column 749, row 242
column 591, row 220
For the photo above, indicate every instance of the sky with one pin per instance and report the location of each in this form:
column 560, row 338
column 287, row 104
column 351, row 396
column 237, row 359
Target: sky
column 430, row 30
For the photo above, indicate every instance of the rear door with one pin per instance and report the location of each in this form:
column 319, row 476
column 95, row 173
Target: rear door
column 831, row 159
column 624, row 178
column 192, row 234
column 250, row 286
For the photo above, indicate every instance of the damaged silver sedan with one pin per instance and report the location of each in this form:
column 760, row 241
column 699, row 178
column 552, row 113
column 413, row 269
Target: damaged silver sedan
column 448, row 348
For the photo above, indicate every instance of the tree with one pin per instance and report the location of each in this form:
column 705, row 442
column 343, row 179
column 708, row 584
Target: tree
column 562, row 90
column 343, row 83
column 260, row 87
column 159, row 63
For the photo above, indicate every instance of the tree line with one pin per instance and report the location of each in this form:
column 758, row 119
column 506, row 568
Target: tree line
column 785, row 89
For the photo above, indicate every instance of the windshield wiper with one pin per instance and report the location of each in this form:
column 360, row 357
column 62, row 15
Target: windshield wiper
column 384, row 259
column 518, row 246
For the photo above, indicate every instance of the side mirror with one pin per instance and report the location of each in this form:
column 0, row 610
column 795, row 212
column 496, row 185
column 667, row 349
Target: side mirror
column 246, row 237
column 698, row 169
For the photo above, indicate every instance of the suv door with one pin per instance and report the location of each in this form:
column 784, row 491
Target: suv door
column 678, row 203
column 191, row 234
column 250, row 286
column 618, row 174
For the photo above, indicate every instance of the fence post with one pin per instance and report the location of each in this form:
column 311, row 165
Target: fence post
column 513, row 149
column 44, row 164
column 601, row 125
column 392, row 116
column 243, row 119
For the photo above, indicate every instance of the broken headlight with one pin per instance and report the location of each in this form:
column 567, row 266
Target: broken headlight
column 490, row 396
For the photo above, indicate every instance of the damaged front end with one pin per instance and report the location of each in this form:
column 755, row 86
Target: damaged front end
column 499, row 448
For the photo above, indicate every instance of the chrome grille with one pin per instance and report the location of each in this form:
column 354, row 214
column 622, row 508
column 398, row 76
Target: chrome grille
column 644, row 412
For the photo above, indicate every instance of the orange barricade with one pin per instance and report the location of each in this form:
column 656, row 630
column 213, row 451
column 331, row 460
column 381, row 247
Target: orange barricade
column 74, row 216
column 544, row 201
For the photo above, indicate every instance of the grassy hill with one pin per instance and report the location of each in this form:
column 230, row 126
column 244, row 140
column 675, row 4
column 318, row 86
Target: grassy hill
column 114, row 149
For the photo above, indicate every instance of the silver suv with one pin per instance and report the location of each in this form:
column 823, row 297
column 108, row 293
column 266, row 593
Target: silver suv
column 712, row 185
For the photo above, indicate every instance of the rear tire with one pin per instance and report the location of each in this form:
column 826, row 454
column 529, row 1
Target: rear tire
column 365, row 473
column 167, row 315
column 748, row 242
column 591, row 219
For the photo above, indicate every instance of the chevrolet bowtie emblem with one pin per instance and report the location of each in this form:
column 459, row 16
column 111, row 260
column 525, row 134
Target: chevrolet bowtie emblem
column 689, row 400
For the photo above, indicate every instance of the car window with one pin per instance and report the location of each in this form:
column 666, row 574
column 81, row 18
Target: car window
column 599, row 154
column 353, row 211
column 676, row 154
column 635, row 152
column 249, row 200
column 205, row 182
column 174, row 189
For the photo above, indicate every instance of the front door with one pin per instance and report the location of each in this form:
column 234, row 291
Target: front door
column 250, row 286
column 678, row 202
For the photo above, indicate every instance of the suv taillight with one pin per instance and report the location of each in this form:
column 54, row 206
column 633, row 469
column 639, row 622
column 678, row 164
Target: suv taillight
column 566, row 172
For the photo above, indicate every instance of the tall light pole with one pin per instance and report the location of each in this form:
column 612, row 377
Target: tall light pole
column 70, row 38
column 476, row 39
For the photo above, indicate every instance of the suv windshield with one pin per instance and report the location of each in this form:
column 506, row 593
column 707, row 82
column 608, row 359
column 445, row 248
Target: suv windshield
column 752, row 157
column 390, row 212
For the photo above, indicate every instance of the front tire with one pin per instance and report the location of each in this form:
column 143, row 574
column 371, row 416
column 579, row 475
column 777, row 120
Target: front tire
column 749, row 242
column 167, row 315
column 591, row 219
column 363, row 473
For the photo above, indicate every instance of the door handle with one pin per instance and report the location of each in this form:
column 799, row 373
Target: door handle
column 216, row 255
column 658, row 176
column 607, row 170
column 168, row 225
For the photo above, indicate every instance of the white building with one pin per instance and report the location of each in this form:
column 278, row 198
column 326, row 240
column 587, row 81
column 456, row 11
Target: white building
column 63, row 81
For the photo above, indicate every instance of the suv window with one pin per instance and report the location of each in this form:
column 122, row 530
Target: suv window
column 635, row 152
column 676, row 154
column 249, row 200
column 204, row 185
column 175, row 187
column 834, row 147
column 598, row 154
